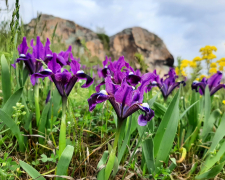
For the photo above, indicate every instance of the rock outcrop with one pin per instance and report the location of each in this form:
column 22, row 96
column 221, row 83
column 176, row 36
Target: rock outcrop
column 139, row 40
column 127, row 42
column 69, row 32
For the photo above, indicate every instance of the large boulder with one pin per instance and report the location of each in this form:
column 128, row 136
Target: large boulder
column 68, row 32
column 130, row 43
column 141, row 41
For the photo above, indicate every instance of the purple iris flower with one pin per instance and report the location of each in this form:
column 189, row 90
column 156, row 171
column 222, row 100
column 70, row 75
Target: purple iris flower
column 118, row 70
column 213, row 83
column 165, row 85
column 64, row 57
column 65, row 80
column 124, row 99
column 33, row 61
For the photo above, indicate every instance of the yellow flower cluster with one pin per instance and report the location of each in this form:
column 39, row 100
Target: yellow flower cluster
column 186, row 63
column 207, row 55
column 197, row 59
column 221, row 63
column 207, row 52
column 180, row 71
column 201, row 77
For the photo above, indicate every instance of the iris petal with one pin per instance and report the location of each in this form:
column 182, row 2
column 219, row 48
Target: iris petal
column 82, row 75
column 215, row 89
column 22, row 48
column 53, row 65
column 42, row 74
column 214, row 80
column 75, row 66
column 133, row 80
column 97, row 88
column 70, row 85
column 96, row 99
column 149, row 114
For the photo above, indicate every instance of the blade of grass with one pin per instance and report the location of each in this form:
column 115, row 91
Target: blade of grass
column 7, row 108
column 43, row 121
column 212, row 172
column 6, row 82
column 14, row 128
column 124, row 145
column 220, row 133
column 64, row 161
column 31, row 171
column 166, row 132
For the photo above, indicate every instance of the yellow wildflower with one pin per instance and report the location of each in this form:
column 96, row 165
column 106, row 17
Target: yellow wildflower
column 185, row 61
column 197, row 79
column 212, row 70
column 202, row 76
column 184, row 65
column 222, row 59
column 223, row 101
column 214, row 48
column 221, row 68
column 207, row 52
column 197, row 59
column 211, row 56
column 193, row 64
column 177, row 70
column 183, row 73
column 222, row 64
column 213, row 65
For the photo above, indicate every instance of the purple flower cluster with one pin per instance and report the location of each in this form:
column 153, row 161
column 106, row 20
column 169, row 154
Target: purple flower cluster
column 167, row 84
column 42, row 55
column 213, row 83
column 121, row 90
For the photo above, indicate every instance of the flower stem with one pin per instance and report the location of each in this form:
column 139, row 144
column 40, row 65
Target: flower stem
column 36, row 100
column 112, row 155
column 62, row 135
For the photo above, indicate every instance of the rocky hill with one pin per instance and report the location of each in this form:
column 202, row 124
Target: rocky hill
column 129, row 42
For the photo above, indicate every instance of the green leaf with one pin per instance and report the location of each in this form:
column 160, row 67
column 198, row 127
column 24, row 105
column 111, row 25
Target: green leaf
column 132, row 156
column 211, row 160
column 14, row 128
column 110, row 164
column 211, row 173
column 56, row 99
column 102, row 162
column 148, row 150
column 192, row 115
column 25, row 75
column 208, row 124
column 6, row 82
column 220, row 133
column 7, row 108
column 188, row 109
column 31, row 171
column 124, row 145
column 160, row 110
column 152, row 101
column 64, row 161
column 166, row 132
column 44, row 158
column 207, row 104
column 43, row 121
column 115, row 167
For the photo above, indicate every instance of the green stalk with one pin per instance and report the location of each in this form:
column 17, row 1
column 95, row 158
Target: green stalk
column 62, row 135
column 36, row 100
column 112, row 155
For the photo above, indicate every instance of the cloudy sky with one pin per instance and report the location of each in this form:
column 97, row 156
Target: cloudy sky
column 184, row 26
